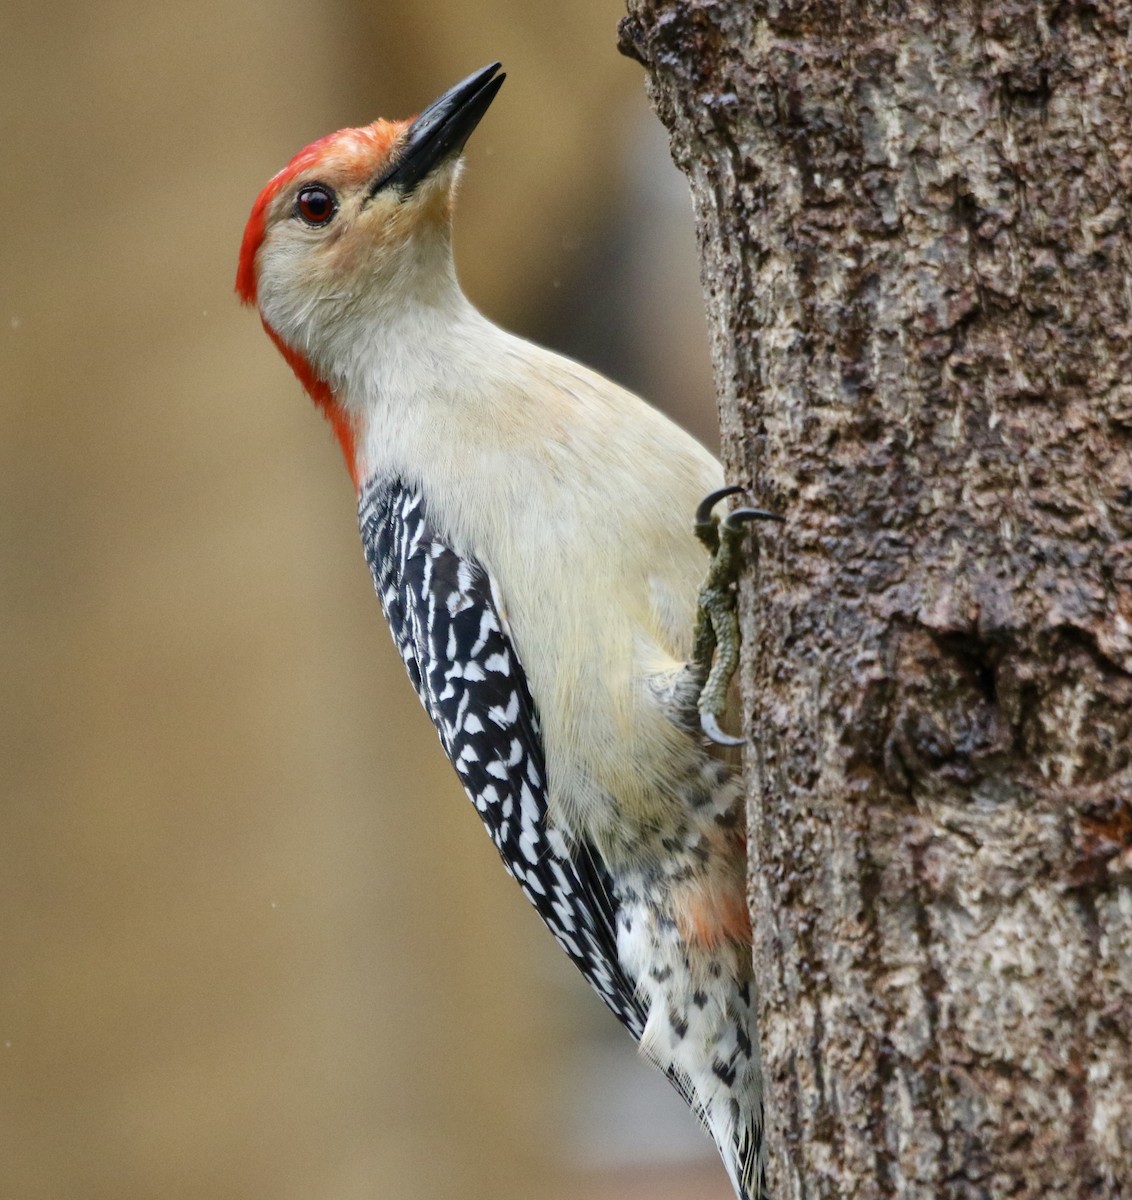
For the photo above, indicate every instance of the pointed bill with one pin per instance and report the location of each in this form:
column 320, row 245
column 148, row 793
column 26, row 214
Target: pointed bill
column 441, row 131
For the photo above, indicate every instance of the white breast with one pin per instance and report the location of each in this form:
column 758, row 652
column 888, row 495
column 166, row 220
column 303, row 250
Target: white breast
column 577, row 498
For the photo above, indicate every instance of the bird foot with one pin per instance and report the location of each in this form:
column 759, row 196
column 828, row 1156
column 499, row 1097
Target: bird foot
column 716, row 644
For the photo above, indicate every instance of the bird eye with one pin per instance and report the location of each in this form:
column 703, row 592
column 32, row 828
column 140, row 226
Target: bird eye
column 315, row 204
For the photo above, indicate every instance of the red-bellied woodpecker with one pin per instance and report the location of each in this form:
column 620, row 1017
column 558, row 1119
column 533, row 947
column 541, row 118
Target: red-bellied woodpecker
column 525, row 521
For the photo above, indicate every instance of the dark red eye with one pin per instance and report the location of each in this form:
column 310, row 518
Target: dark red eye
column 316, row 204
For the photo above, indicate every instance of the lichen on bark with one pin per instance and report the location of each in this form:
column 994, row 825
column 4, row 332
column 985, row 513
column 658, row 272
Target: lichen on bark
column 915, row 224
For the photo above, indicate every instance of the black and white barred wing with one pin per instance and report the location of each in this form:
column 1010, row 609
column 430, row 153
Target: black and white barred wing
column 448, row 630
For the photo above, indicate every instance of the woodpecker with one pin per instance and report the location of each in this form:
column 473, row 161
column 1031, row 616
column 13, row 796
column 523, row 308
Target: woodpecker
column 523, row 519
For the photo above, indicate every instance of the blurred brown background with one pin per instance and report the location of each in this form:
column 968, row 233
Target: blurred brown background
column 253, row 941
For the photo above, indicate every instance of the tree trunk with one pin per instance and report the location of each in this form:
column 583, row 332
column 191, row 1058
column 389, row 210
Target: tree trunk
column 917, row 255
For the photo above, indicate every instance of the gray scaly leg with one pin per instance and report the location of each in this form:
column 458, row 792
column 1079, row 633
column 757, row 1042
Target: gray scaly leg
column 716, row 640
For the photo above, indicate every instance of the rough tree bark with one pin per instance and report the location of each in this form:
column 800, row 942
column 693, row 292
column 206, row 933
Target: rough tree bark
column 917, row 254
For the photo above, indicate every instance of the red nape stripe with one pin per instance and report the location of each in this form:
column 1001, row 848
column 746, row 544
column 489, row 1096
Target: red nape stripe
column 253, row 235
column 321, row 394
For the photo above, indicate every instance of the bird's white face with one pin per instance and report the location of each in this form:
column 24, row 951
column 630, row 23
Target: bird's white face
column 333, row 249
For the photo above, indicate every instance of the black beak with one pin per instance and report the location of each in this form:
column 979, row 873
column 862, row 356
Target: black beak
column 440, row 132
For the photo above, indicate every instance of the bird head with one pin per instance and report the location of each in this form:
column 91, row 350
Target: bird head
column 356, row 224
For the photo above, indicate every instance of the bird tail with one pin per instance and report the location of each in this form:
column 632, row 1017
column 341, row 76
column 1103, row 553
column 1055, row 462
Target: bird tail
column 742, row 1152
column 728, row 1089
column 724, row 1086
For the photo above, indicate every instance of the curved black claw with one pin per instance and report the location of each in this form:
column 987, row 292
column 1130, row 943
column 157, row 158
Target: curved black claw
column 739, row 516
column 703, row 509
column 710, row 726
column 706, row 524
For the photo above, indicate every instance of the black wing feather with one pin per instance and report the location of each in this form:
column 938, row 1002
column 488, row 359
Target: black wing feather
column 462, row 663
